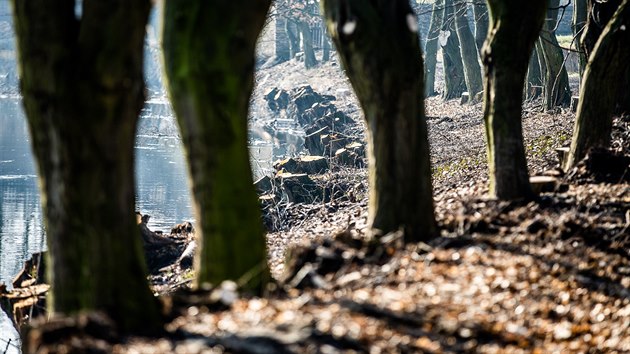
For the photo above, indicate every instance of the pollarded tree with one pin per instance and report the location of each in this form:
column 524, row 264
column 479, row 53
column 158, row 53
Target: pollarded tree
column 557, row 90
column 209, row 63
column 82, row 87
column 377, row 42
column 514, row 27
column 606, row 77
column 468, row 50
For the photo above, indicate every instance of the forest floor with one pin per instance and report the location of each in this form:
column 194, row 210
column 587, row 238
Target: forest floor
column 551, row 275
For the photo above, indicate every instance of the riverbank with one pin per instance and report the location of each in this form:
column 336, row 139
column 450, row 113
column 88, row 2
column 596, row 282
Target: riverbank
column 551, row 275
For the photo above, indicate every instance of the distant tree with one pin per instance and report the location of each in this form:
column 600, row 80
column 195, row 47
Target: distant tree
column 557, row 90
column 468, row 50
column 514, row 27
column 534, row 77
column 82, row 88
column 431, row 48
column 580, row 14
column 480, row 12
column 378, row 44
column 606, row 76
column 209, row 63
column 454, row 80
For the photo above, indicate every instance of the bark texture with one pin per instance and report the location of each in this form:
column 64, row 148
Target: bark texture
column 480, row 12
column 307, row 44
column 209, row 63
column 281, row 39
column 468, row 51
column 580, row 14
column 534, row 77
column 454, row 79
column 557, row 90
column 431, row 48
column 606, row 75
column 378, row 44
column 514, row 27
column 82, row 86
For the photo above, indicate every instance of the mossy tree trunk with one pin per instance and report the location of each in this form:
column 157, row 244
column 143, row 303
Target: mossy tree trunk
column 557, row 90
column 468, row 50
column 431, row 48
column 209, row 63
column 480, row 12
column 599, row 13
column 607, row 74
column 377, row 42
column 454, row 79
column 514, row 27
column 82, row 86
column 307, row 45
column 580, row 14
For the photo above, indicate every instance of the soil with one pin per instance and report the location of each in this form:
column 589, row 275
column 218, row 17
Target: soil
column 552, row 275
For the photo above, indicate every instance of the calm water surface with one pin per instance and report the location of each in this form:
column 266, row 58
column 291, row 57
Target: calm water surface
column 161, row 185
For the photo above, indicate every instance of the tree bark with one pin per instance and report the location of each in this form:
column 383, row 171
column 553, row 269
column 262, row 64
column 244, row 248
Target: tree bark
column 431, row 48
column 326, row 44
column 480, row 12
column 468, row 50
column 606, row 75
column 209, row 63
column 294, row 37
column 580, row 14
column 282, row 51
column 378, row 44
column 514, row 27
column 534, row 77
column 307, row 45
column 82, row 87
column 454, row 81
column 599, row 13
column 557, row 90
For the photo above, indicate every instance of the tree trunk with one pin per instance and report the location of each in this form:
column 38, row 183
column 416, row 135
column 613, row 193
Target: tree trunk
column 379, row 49
column 580, row 14
column 480, row 11
column 557, row 90
column 454, row 82
column 307, row 44
column 282, row 52
column 431, row 47
column 599, row 13
column 607, row 74
column 294, row 37
column 468, row 50
column 209, row 63
column 514, row 27
column 326, row 44
column 534, row 77
column 82, row 87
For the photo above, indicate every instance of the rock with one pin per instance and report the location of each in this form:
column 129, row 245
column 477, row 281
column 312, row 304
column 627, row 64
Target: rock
column 300, row 188
column 306, row 164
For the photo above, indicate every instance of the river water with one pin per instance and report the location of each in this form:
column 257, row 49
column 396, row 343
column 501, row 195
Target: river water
column 161, row 188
